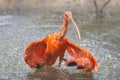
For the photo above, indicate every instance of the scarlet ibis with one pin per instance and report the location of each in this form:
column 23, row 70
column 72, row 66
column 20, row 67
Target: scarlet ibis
column 46, row 51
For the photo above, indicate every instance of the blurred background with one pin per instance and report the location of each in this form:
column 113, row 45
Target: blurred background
column 25, row 21
column 32, row 4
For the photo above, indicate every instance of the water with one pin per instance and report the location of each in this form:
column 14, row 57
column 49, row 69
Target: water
column 100, row 36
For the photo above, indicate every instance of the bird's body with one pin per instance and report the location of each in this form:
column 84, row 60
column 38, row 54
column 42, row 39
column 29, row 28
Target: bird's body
column 45, row 52
column 48, row 49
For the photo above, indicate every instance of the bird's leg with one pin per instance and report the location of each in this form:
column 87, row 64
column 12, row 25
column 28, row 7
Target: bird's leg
column 60, row 64
column 60, row 60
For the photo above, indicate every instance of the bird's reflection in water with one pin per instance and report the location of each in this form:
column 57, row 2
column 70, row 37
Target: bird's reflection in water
column 52, row 73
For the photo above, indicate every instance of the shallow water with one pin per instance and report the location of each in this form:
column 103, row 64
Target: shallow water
column 100, row 36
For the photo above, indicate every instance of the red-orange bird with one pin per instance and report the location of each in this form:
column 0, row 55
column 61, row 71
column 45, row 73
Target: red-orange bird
column 45, row 52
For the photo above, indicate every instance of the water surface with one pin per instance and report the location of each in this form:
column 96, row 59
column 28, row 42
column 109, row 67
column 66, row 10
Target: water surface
column 100, row 36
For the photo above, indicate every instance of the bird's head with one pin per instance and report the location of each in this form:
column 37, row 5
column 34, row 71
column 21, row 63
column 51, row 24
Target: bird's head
column 68, row 16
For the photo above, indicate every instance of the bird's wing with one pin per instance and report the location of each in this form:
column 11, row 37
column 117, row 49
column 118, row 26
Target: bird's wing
column 35, row 53
column 82, row 57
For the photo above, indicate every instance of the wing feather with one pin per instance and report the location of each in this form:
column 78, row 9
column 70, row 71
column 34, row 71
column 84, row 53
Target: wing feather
column 82, row 57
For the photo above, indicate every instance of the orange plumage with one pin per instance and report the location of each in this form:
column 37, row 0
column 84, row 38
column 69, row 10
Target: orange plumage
column 45, row 52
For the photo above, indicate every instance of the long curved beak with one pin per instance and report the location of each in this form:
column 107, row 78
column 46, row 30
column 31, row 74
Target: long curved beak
column 74, row 24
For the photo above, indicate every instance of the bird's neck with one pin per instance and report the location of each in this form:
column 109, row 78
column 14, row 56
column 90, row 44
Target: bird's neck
column 64, row 29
